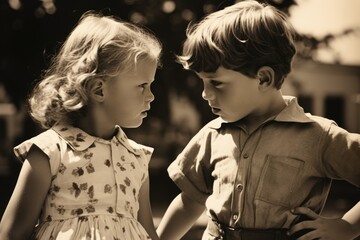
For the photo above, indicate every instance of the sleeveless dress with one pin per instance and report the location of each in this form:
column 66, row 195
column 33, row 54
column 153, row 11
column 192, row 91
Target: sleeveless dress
column 95, row 185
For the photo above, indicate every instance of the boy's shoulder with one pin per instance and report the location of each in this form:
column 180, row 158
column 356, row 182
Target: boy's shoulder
column 321, row 122
column 314, row 120
column 214, row 124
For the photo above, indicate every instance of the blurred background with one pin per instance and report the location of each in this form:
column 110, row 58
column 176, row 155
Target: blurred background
column 325, row 77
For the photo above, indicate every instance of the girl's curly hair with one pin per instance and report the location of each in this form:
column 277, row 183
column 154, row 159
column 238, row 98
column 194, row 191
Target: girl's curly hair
column 98, row 47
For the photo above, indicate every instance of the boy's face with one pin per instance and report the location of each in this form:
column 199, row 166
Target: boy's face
column 230, row 94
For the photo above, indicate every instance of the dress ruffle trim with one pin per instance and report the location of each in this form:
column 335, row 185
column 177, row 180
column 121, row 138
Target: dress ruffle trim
column 91, row 228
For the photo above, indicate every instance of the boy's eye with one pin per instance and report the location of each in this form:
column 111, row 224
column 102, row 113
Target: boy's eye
column 215, row 83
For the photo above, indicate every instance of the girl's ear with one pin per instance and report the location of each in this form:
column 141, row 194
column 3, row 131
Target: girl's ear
column 266, row 76
column 97, row 90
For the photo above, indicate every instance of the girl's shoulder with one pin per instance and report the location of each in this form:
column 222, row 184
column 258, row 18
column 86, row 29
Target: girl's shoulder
column 140, row 147
column 132, row 146
column 47, row 141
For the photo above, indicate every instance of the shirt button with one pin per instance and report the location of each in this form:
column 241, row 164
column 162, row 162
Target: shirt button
column 245, row 155
column 235, row 216
column 239, row 187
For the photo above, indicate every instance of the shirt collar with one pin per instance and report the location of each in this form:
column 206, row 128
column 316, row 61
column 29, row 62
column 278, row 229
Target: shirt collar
column 79, row 140
column 293, row 112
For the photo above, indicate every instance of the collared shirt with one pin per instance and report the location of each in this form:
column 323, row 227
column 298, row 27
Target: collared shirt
column 253, row 180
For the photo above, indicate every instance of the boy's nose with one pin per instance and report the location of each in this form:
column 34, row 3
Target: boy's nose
column 207, row 94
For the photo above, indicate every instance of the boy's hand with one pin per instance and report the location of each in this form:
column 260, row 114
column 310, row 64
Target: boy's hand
column 320, row 227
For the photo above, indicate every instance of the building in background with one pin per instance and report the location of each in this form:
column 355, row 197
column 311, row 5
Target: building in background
column 328, row 90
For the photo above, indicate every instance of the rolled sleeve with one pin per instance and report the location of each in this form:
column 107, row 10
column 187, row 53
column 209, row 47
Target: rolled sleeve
column 342, row 155
column 191, row 170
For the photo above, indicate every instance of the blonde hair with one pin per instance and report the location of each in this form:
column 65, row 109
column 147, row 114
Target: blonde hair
column 98, row 47
column 242, row 37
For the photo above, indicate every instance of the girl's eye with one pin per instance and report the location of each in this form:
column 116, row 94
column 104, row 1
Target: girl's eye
column 143, row 85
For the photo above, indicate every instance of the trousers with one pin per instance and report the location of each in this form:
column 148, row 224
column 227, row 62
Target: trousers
column 223, row 232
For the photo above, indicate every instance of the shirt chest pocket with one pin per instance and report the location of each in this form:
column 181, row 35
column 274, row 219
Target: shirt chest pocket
column 278, row 180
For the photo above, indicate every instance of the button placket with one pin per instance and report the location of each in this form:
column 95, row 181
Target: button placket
column 116, row 166
column 237, row 194
column 239, row 181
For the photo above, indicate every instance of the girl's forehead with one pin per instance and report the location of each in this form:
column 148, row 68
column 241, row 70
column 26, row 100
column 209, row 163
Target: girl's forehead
column 142, row 69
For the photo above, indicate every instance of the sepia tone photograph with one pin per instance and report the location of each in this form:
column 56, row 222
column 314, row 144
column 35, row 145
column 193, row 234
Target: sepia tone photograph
column 180, row 119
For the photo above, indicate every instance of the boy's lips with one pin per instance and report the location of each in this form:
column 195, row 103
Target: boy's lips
column 215, row 110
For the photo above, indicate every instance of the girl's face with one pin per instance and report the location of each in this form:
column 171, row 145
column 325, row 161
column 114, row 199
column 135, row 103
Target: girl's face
column 230, row 94
column 128, row 95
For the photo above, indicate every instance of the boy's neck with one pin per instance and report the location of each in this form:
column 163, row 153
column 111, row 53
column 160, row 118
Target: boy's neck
column 271, row 107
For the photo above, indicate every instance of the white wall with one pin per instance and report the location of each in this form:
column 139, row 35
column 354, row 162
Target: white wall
column 319, row 80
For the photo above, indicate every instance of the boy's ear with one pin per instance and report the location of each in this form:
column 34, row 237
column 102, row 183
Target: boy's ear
column 266, row 76
column 97, row 90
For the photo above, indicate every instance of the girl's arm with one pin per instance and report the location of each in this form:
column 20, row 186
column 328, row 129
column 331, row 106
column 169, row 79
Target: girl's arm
column 179, row 217
column 23, row 209
column 145, row 214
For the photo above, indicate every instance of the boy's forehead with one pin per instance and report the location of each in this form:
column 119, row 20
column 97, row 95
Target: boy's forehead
column 221, row 71
column 207, row 74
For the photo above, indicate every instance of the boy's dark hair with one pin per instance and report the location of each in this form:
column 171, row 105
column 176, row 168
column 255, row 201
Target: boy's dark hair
column 242, row 37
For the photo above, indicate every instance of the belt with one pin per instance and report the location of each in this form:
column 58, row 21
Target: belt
column 228, row 233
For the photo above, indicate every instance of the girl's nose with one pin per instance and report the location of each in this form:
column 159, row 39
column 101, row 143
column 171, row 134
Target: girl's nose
column 150, row 96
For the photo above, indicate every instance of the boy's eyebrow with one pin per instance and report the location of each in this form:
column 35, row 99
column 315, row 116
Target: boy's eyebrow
column 208, row 75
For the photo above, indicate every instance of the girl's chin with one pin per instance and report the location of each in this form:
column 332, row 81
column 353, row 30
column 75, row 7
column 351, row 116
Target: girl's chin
column 133, row 124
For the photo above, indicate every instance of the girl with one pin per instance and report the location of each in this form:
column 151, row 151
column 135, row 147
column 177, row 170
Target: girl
column 83, row 178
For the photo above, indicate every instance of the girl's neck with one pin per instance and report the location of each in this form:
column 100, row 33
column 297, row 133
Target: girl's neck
column 95, row 128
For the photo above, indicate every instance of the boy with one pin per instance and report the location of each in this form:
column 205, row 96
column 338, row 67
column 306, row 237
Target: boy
column 263, row 163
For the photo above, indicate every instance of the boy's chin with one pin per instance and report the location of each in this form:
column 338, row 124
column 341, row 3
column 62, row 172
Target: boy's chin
column 229, row 120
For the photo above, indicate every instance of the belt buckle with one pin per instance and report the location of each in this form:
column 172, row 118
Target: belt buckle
column 234, row 233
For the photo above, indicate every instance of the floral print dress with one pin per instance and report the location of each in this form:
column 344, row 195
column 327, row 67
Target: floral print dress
column 95, row 185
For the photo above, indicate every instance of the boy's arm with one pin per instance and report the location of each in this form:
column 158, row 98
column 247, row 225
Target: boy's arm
column 145, row 214
column 179, row 217
column 353, row 218
column 22, row 212
column 345, row 228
